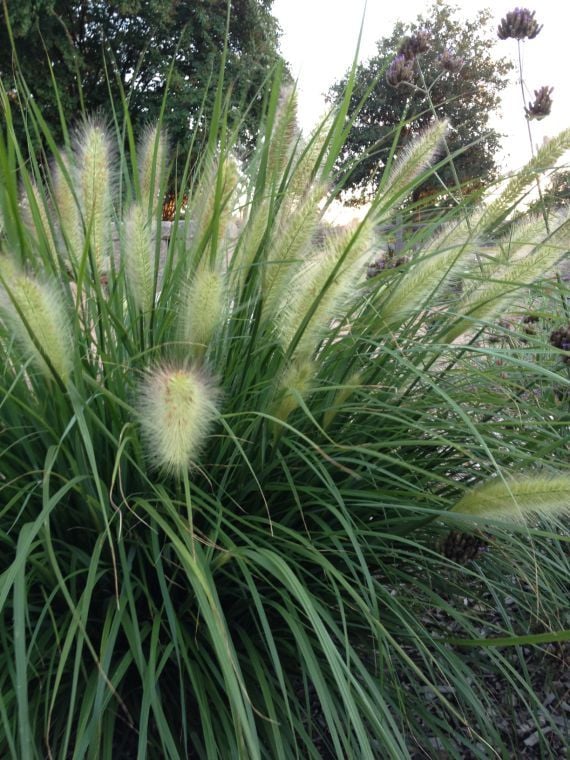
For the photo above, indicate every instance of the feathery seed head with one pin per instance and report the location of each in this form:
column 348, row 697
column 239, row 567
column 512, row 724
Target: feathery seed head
column 285, row 132
column 177, row 407
column 546, row 157
column 415, row 158
column 306, row 174
column 212, row 198
column 139, row 256
column 94, row 158
column 296, row 383
column 35, row 312
column 428, row 272
column 152, row 158
column 290, row 243
column 518, row 498
column 322, row 287
column 65, row 184
column 503, row 280
column 202, row 311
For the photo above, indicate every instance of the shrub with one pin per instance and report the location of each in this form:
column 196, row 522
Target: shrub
column 226, row 467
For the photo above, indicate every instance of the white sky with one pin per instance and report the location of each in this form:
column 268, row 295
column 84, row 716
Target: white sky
column 320, row 37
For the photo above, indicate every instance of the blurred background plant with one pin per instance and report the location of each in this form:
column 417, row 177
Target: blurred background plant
column 457, row 71
column 99, row 52
column 255, row 503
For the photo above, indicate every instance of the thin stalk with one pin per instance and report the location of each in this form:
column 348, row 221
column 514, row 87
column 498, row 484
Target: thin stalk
column 529, row 130
column 538, row 187
column 188, row 499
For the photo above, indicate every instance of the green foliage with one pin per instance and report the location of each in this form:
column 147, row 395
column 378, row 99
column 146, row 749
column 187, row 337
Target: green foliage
column 555, row 194
column 219, row 518
column 468, row 97
column 96, row 48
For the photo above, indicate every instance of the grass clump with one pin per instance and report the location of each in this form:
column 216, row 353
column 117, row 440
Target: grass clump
column 226, row 465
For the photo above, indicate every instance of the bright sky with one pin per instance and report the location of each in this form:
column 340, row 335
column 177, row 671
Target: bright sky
column 320, row 37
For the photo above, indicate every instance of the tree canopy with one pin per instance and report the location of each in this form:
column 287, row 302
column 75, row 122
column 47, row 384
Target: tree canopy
column 556, row 194
column 95, row 48
column 441, row 64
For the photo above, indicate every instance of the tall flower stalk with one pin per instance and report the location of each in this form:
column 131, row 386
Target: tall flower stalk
column 521, row 25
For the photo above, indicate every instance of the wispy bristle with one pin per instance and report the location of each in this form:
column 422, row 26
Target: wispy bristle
column 202, row 307
column 177, row 408
column 94, row 162
column 152, row 163
column 65, row 187
column 517, row 499
column 295, row 384
column 415, row 158
column 321, row 288
column 38, row 319
column 38, row 217
column 139, row 256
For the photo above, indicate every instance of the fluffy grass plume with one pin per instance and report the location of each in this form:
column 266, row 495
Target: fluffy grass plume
column 545, row 158
column 139, row 252
column 289, row 245
column 177, row 407
column 321, row 288
column 35, row 313
column 202, row 307
column 66, row 202
column 94, row 161
column 415, row 158
column 285, row 134
column 432, row 268
column 502, row 282
column 295, row 384
column 152, row 165
column 517, row 499
column 211, row 206
column 310, row 155
column 40, row 228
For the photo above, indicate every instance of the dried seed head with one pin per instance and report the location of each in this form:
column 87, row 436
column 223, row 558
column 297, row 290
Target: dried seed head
column 400, row 70
column 415, row 45
column 560, row 338
column 450, row 62
column 462, row 547
column 519, row 24
column 385, row 262
column 177, row 407
column 541, row 105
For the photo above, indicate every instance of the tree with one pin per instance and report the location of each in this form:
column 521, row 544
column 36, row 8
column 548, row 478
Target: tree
column 440, row 63
column 95, row 48
column 556, row 194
